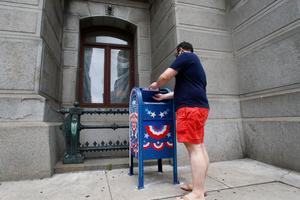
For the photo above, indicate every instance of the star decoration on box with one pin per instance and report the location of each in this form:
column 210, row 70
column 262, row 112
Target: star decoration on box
column 153, row 114
column 133, row 102
column 162, row 114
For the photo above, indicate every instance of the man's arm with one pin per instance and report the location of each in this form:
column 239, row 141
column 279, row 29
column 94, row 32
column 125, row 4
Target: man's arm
column 164, row 78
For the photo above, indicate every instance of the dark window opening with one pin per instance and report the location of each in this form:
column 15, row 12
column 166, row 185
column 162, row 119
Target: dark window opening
column 106, row 67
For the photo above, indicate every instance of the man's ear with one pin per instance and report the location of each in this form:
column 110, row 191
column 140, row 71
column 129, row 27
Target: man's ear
column 180, row 51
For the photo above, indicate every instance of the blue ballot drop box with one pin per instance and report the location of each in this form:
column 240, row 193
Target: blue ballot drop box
column 151, row 131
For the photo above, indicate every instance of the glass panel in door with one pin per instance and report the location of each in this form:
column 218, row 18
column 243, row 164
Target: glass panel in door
column 119, row 76
column 93, row 77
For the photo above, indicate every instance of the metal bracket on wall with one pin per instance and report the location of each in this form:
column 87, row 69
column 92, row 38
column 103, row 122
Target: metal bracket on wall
column 109, row 10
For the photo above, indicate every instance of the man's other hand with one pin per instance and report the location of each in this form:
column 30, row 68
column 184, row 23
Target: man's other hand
column 153, row 86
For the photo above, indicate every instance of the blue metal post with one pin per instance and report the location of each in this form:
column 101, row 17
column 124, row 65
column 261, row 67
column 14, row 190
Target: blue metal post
column 140, row 139
column 141, row 174
column 159, row 164
column 131, row 164
column 175, row 174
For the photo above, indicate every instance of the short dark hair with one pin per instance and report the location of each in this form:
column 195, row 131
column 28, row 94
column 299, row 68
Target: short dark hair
column 186, row 46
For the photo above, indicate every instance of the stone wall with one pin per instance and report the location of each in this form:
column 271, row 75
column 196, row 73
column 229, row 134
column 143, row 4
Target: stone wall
column 51, row 33
column 266, row 44
column 163, row 35
column 28, row 150
column 28, row 144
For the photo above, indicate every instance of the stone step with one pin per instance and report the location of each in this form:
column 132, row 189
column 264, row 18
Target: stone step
column 101, row 164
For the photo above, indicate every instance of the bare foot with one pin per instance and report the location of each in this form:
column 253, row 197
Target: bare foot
column 189, row 187
column 190, row 196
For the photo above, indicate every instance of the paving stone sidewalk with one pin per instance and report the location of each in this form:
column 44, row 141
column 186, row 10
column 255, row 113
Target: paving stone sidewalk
column 243, row 179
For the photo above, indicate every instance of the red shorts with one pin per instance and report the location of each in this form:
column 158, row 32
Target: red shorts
column 190, row 124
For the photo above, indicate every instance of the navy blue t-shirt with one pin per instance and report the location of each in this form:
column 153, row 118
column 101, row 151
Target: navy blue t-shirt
column 190, row 87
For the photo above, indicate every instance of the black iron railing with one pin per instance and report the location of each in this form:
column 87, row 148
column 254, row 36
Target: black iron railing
column 72, row 126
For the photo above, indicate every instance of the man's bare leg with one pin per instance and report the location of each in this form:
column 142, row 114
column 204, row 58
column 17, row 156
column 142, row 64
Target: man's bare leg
column 199, row 165
column 189, row 186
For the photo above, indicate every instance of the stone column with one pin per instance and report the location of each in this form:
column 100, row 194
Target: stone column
column 30, row 44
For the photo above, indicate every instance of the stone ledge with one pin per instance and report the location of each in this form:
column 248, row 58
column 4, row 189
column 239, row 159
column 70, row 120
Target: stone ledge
column 101, row 164
column 28, row 150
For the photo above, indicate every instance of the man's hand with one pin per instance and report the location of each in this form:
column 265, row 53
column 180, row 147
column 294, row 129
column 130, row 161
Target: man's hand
column 160, row 97
column 153, row 86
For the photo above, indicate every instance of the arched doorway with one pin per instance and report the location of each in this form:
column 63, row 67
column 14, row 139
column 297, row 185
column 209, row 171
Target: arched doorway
column 107, row 74
column 107, row 69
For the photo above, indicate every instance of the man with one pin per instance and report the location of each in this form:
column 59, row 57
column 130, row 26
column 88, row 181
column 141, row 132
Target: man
column 192, row 109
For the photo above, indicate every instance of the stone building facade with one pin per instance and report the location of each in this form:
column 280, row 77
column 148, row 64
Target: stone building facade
column 250, row 50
